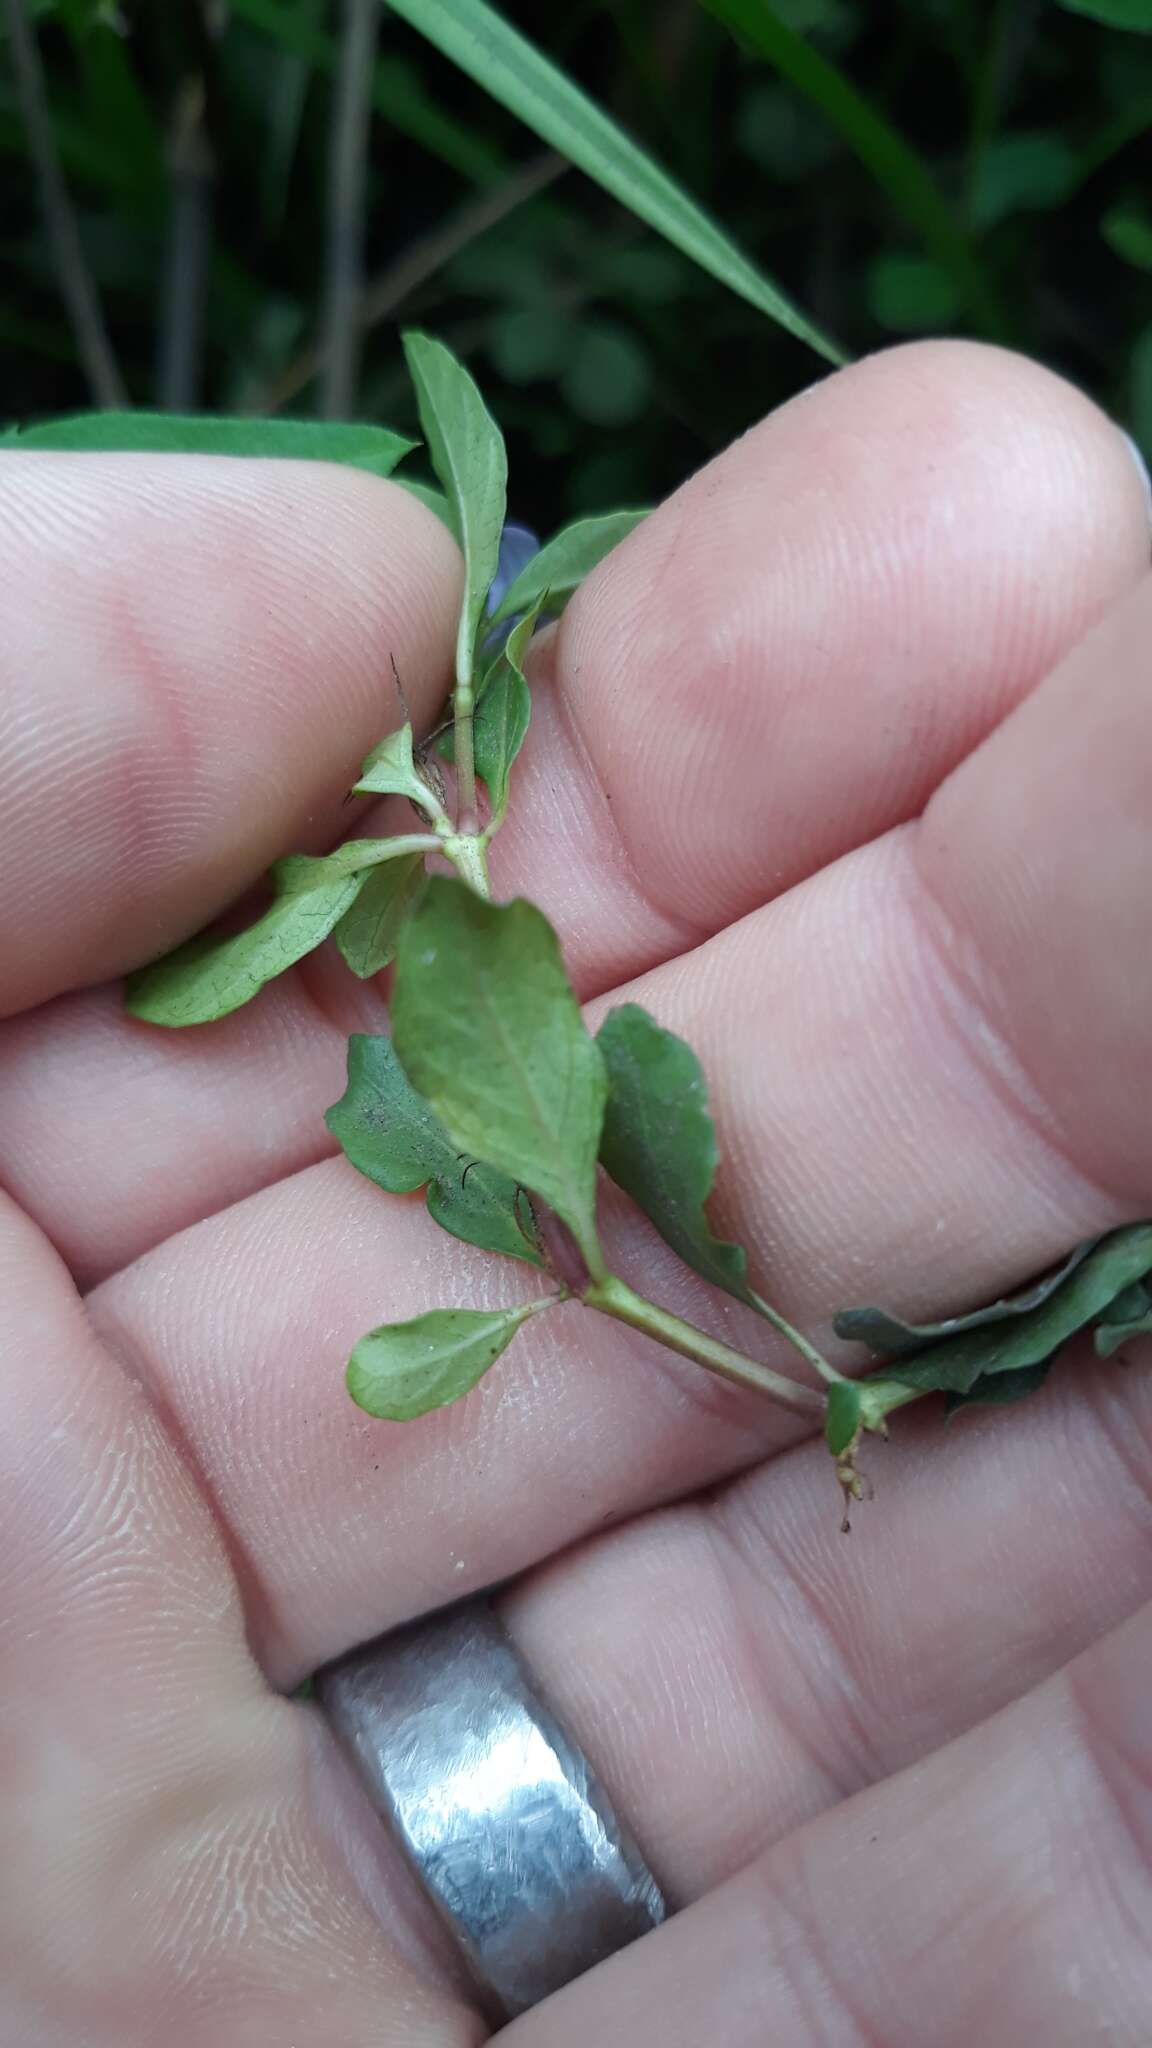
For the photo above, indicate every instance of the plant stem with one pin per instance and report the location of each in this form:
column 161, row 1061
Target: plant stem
column 347, row 191
column 187, row 255
column 613, row 1297
column 798, row 1341
column 468, row 855
column 76, row 284
column 464, row 755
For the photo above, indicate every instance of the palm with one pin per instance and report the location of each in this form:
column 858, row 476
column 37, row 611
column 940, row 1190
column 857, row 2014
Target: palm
column 922, row 1042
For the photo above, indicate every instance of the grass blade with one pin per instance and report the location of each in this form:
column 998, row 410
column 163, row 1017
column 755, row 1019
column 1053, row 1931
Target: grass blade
column 512, row 70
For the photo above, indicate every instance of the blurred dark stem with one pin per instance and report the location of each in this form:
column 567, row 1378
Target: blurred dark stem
column 73, row 276
column 347, row 187
column 417, row 264
column 191, row 172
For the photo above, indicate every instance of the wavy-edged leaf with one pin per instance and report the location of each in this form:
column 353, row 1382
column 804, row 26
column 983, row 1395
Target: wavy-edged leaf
column 390, row 1134
column 210, row 977
column 506, row 65
column 560, row 566
column 890, row 1337
column 1130, row 1315
column 376, row 449
column 390, row 770
column 504, row 711
column 403, row 1370
column 369, row 929
column 466, row 449
column 1001, row 1389
column 958, row 1363
column 488, row 1030
column 659, row 1141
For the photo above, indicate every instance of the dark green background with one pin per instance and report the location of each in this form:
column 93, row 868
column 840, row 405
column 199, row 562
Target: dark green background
column 614, row 366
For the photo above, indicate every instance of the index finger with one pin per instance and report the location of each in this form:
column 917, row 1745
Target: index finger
column 195, row 657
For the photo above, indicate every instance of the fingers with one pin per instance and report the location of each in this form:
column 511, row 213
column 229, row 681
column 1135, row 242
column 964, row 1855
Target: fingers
column 195, row 658
column 999, row 1892
column 734, row 1666
column 849, row 598
column 871, row 1148
column 179, row 1848
column 785, row 660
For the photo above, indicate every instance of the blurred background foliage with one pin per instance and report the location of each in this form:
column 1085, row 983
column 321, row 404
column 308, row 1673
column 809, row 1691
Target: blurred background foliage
column 915, row 167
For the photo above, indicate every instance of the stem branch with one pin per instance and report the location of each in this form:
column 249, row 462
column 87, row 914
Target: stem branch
column 613, row 1297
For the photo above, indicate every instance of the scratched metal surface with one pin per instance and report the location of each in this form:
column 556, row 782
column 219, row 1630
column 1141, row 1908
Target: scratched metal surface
column 500, row 1813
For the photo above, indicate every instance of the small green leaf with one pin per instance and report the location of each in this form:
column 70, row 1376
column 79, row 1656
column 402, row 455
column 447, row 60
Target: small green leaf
column 842, row 1417
column 513, row 71
column 659, row 1142
column 390, row 1134
column 503, row 712
column 1127, row 229
column 403, row 1370
column 433, row 500
column 565, row 560
column 390, row 770
column 955, row 1365
column 889, row 1337
column 467, row 452
column 1129, row 1315
column 208, row 978
column 487, row 1028
column 375, row 449
column 368, row 931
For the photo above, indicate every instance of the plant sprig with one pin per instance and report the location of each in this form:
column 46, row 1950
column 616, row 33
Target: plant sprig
column 492, row 1095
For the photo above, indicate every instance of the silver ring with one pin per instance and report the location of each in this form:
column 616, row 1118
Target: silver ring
column 498, row 1810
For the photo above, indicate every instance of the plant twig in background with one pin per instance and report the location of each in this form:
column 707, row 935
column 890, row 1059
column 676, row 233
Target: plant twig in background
column 347, row 189
column 76, row 286
column 420, row 262
column 184, row 290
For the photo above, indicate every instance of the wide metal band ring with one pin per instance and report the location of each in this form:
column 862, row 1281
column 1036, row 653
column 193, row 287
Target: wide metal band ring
column 498, row 1810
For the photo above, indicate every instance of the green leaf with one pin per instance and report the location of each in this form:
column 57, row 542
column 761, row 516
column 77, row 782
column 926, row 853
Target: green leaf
column 843, row 1420
column 1127, row 229
column 503, row 712
column 376, row 449
column 911, row 294
column 514, row 72
column 1032, row 171
column 209, row 977
column 1001, row 1389
column 488, row 1029
column 467, row 453
column 390, row 770
column 659, row 1142
column 390, row 1134
column 1135, row 14
column 955, row 1365
column 892, row 162
column 565, row 560
column 403, row 1370
column 368, row 931
column 1129, row 1315
column 433, row 500
column 889, row 1337
column 608, row 380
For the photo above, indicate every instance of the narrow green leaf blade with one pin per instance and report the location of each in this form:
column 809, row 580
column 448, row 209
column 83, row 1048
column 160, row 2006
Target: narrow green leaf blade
column 467, row 453
column 376, row 449
column 659, row 1141
column 487, row 1028
column 208, row 978
column 403, row 1370
column 390, row 770
column 1133, row 14
column 890, row 1337
column 506, row 65
column 504, row 711
column 955, row 1365
column 564, row 561
column 390, row 1134
column 368, row 931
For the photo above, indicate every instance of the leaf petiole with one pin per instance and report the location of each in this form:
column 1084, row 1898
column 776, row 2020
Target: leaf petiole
column 613, row 1297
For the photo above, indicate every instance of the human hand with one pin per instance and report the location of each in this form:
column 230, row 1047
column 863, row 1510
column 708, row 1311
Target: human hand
column 896, row 1784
